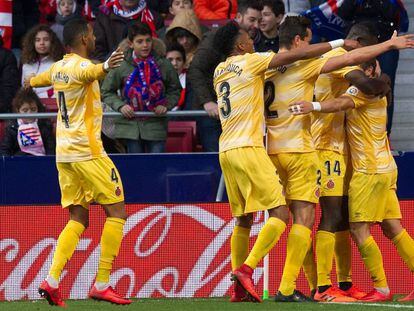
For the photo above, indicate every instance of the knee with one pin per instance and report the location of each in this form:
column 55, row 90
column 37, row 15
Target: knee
column 359, row 233
column 391, row 228
column 245, row 221
column 281, row 212
column 305, row 219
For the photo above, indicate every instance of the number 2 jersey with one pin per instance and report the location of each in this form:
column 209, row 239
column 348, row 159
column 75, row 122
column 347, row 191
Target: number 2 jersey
column 78, row 130
column 239, row 82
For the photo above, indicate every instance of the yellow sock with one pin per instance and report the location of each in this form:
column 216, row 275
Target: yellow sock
column 325, row 246
column 309, row 268
column 297, row 247
column 267, row 238
column 343, row 256
column 111, row 239
column 371, row 255
column 66, row 245
column 239, row 245
column 405, row 247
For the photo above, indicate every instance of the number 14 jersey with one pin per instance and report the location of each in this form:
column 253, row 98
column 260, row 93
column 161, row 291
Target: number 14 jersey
column 78, row 130
column 239, row 82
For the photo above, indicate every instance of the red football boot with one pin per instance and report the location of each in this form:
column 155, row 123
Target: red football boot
column 409, row 297
column 52, row 295
column 244, row 276
column 239, row 294
column 333, row 294
column 355, row 292
column 108, row 295
column 376, row 296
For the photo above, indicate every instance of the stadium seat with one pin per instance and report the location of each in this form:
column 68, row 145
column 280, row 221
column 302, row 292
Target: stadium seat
column 181, row 136
column 2, row 129
column 50, row 104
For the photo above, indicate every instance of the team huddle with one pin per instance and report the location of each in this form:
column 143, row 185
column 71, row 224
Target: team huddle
column 325, row 113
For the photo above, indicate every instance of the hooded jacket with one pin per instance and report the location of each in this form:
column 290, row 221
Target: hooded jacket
column 215, row 9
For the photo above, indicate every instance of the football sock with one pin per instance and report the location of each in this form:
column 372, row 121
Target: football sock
column 66, row 245
column 309, row 267
column 371, row 255
column 345, row 285
column 239, row 245
column 111, row 239
column 405, row 246
column 267, row 238
column 325, row 246
column 297, row 247
column 343, row 256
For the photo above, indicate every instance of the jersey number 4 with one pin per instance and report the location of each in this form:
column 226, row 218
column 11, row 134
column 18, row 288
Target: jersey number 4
column 226, row 109
column 63, row 108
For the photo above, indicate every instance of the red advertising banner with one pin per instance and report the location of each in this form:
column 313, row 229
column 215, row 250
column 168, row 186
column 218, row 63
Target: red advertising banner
column 169, row 250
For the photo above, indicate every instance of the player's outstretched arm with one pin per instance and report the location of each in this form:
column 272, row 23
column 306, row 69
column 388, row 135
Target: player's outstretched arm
column 42, row 79
column 88, row 72
column 327, row 106
column 361, row 55
column 311, row 51
column 369, row 86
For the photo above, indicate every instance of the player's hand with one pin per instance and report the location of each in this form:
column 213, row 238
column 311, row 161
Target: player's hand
column 401, row 42
column 26, row 82
column 127, row 111
column 212, row 109
column 160, row 110
column 350, row 45
column 114, row 60
column 301, row 107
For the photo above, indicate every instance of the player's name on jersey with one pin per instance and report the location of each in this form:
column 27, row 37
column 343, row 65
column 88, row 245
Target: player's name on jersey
column 61, row 77
column 230, row 68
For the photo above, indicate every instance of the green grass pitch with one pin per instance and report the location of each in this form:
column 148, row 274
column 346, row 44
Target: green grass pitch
column 215, row 304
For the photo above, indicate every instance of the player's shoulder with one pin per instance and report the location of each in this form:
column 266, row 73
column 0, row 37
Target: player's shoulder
column 335, row 52
column 353, row 91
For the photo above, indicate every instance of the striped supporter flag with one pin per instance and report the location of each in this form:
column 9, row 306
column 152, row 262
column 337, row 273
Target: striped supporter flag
column 6, row 22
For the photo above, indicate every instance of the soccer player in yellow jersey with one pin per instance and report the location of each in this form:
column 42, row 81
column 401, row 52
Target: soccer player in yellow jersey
column 328, row 133
column 372, row 189
column 290, row 143
column 251, row 179
column 86, row 174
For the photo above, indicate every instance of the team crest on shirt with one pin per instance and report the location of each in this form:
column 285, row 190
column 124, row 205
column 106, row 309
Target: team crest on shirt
column 84, row 65
column 352, row 91
column 330, row 184
column 317, row 193
column 118, row 191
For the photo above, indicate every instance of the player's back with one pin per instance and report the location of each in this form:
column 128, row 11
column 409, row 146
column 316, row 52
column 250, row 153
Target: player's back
column 239, row 82
column 78, row 131
column 367, row 134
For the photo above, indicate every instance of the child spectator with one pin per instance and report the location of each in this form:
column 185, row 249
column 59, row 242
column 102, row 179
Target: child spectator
column 41, row 48
column 174, row 7
column 66, row 11
column 185, row 30
column 176, row 55
column 215, row 9
column 272, row 15
column 147, row 82
column 28, row 136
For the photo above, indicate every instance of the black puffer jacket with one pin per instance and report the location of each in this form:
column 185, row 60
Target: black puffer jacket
column 9, row 78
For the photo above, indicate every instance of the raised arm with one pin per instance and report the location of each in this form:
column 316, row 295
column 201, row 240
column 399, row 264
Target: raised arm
column 328, row 106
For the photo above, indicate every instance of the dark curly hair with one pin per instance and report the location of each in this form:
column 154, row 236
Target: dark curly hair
column 26, row 96
column 29, row 54
column 226, row 37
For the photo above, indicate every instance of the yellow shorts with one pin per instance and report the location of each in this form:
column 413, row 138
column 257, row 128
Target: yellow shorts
column 373, row 198
column 89, row 181
column 252, row 182
column 299, row 175
column 332, row 166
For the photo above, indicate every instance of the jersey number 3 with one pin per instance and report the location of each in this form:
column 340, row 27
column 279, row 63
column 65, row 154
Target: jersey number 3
column 225, row 91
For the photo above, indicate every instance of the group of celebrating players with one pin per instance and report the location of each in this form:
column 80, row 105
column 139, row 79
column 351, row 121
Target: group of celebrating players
column 333, row 150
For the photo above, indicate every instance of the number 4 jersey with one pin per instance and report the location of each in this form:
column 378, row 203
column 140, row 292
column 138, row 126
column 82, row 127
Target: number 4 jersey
column 239, row 83
column 78, row 131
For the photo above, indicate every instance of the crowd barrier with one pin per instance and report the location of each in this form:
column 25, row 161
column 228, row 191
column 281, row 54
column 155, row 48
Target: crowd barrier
column 169, row 250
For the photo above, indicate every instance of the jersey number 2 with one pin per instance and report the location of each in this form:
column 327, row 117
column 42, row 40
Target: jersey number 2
column 226, row 109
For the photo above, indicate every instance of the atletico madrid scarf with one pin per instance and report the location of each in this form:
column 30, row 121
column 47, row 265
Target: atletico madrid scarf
column 30, row 138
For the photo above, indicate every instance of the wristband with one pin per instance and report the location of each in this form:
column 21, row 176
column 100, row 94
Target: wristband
column 337, row 43
column 106, row 66
column 316, row 106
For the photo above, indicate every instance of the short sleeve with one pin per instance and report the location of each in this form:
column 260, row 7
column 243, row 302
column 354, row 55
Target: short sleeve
column 356, row 95
column 258, row 63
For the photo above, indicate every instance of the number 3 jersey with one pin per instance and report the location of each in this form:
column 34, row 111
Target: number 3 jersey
column 239, row 82
column 78, row 130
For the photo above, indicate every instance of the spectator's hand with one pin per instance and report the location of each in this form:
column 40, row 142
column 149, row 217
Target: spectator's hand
column 114, row 60
column 401, row 42
column 160, row 110
column 350, row 45
column 26, row 82
column 212, row 109
column 301, row 107
column 127, row 111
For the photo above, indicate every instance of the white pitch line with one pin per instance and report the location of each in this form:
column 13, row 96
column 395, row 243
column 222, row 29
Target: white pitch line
column 383, row 305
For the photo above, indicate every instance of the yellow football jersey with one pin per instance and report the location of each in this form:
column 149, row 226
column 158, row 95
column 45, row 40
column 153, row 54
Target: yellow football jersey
column 328, row 129
column 367, row 134
column 239, row 82
column 78, row 131
column 286, row 85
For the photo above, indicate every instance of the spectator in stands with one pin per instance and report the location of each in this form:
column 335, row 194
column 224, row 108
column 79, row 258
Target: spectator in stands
column 146, row 82
column 41, row 48
column 176, row 55
column 297, row 6
column 185, row 30
column 201, row 72
column 66, row 11
column 25, row 15
column 215, row 9
column 160, row 6
column 112, row 22
column 28, row 136
column 9, row 78
column 272, row 14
